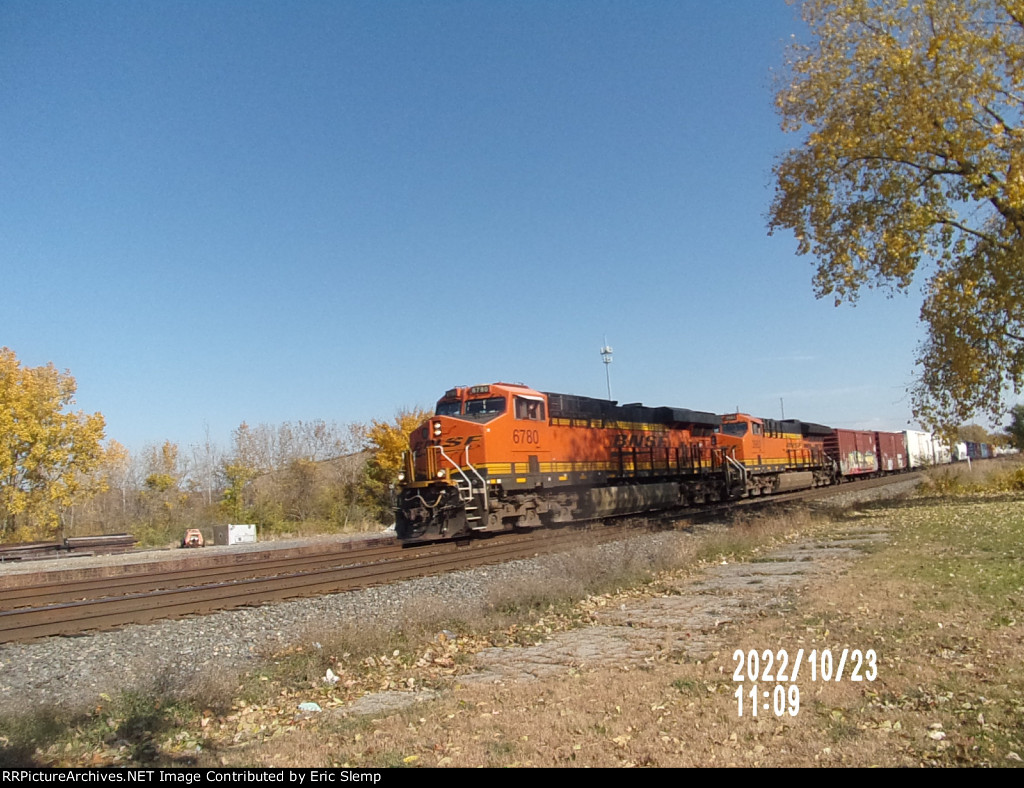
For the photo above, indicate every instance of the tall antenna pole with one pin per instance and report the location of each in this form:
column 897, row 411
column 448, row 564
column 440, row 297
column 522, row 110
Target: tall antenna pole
column 606, row 357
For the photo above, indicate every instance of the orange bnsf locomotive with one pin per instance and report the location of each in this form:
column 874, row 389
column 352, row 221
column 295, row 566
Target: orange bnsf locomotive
column 503, row 456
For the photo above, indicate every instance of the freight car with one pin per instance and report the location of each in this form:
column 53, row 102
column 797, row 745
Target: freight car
column 925, row 450
column 504, row 456
column 854, row 451
column 971, row 450
column 891, row 452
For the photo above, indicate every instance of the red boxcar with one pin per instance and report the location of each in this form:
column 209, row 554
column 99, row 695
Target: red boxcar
column 853, row 451
column 891, row 448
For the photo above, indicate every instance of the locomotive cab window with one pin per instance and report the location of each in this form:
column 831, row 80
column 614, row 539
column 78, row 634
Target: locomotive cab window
column 484, row 409
column 529, row 409
column 448, row 408
column 737, row 429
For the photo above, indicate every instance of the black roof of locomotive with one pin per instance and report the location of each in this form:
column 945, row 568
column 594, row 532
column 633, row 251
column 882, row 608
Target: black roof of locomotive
column 571, row 406
column 808, row 428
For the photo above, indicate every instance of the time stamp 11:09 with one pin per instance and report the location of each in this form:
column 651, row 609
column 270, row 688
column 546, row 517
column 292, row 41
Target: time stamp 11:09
column 768, row 667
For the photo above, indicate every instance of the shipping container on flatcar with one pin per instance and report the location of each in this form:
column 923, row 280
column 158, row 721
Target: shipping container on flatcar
column 891, row 449
column 853, row 451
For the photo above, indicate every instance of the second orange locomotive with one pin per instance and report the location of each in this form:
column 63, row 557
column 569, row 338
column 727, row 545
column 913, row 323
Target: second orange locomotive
column 504, row 456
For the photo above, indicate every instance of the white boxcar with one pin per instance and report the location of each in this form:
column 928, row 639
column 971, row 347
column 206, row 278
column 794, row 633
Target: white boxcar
column 943, row 456
column 920, row 448
column 924, row 449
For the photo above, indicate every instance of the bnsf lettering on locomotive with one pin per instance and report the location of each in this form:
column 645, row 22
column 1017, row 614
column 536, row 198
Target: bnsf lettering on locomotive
column 452, row 443
column 624, row 441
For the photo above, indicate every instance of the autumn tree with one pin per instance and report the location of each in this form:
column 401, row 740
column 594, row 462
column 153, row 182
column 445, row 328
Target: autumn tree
column 113, row 508
column 974, row 433
column 912, row 164
column 244, row 463
column 387, row 441
column 116, row 468
column 46, row 453
column 206, row 464
column 1015, row 430
column 163, row 470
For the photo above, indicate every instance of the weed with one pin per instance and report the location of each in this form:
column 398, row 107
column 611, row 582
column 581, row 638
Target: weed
column 685, row 686
column 501, row 750
column 22, row 735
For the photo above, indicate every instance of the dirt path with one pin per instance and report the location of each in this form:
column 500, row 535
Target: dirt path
column 687, row 618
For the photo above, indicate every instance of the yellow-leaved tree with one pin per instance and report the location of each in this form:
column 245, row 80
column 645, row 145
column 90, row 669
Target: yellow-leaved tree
column 387, row 441
column 46, row 454
column 912, row 162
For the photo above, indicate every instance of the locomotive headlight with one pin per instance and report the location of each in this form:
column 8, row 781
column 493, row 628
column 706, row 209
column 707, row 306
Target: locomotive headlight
column 437, row 429
column 440, row 474
column 401, row 477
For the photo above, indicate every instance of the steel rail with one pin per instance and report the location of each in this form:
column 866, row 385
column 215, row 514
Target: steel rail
column 70, row 618
column 155, row 577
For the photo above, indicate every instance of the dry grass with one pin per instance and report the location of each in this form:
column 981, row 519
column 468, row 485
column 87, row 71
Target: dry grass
column 1004, row 475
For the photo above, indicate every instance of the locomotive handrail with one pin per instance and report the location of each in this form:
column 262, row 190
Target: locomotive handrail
column 483, row 483
column 739, row 466
column 462, row 473
column 440, row 450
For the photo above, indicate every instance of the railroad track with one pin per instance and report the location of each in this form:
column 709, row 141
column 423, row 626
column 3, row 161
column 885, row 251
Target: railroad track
column 51, row 607
column 71, row 602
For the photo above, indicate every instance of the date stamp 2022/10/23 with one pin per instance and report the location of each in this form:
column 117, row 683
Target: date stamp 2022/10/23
column 773, row 678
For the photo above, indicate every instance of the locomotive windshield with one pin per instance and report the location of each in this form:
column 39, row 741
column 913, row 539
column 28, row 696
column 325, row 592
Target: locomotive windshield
column 484, row 409
column 737, row 429
column 449, row 408
column 474, row 409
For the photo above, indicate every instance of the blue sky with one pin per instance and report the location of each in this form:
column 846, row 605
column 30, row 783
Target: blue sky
column 216, row 212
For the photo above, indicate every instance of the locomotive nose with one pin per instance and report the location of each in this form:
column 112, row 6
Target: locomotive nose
column 439, row 448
